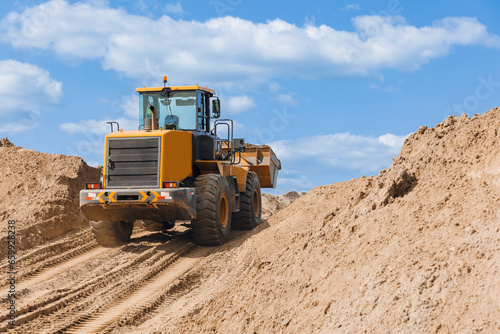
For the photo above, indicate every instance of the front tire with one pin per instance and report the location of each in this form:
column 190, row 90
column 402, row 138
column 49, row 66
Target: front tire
column 212, row 225
column 111, row 234
column 250, row 212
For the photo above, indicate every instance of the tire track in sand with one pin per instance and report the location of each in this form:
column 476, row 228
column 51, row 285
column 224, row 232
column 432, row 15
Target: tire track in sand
column 65, row 307
column 32, row 263
column 99, row 321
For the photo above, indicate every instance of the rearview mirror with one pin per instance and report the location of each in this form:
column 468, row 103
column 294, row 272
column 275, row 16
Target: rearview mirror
column 216, row 108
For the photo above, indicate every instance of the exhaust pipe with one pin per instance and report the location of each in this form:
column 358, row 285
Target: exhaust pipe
column 148, row 124
column 151, row 123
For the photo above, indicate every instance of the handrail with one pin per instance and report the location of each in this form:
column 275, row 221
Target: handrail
column 229, row 140
column 117, row 126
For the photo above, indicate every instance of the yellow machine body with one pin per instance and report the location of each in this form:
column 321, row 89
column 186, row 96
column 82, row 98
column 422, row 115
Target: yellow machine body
column 176, row 156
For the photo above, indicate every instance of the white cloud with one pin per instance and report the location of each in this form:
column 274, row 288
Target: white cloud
column 230, row 50
column 341, row 149
column 391, row 140
column 387, row 89
column 308, row 160
column 98, row 3
column 90, row 134
column 25, row 91
column 348, row 7
column 25, row 86
column 174, row 8
column 274, row 87
column 310, row 20
column 293, row 182
column 238, row 104
column 128, row 105
column 20, row 126
column 98, row 127
column 287, row 99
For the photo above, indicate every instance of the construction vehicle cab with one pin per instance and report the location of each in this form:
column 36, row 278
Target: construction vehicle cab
column 178, row 108
column 175, row 167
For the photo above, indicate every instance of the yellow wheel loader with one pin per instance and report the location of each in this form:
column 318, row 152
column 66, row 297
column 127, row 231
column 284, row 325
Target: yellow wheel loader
column 178, row 165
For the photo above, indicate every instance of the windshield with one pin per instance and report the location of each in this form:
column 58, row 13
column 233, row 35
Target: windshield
column 176, row 103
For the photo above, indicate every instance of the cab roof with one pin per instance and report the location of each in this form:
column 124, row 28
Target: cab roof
column 160, row 89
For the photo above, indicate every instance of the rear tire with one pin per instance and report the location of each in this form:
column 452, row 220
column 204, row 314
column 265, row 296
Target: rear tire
column 151, row 225
column 212, row 225
column 250, row 212
column 111, row 234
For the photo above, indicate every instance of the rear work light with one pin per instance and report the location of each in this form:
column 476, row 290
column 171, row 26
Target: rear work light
column 170, row 184
column 92, row 186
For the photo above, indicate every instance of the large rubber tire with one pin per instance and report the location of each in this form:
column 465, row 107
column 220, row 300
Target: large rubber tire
column 250, row 212
column 150, row 225
column 111, row 234
column 212, row 225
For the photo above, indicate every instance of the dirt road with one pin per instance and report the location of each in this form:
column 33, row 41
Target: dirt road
column 92, row 289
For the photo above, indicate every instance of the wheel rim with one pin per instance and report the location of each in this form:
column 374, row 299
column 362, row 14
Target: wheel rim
column 256, row 203
column 223, row 210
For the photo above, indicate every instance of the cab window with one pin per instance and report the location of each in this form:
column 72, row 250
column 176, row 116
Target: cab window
column 174, row 103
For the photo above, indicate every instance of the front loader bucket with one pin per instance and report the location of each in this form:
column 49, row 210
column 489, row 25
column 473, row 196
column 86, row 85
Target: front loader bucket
column 261, row 160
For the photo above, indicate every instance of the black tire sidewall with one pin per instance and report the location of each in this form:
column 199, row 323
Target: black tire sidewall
column 207, row 227
column 223, row 188
column 246, row 219
column 255, row 184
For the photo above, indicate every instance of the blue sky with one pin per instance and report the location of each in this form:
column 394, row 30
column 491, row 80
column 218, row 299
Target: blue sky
column 333, row 86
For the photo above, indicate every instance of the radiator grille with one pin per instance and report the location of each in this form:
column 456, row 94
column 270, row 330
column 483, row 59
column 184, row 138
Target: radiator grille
column 133, row 162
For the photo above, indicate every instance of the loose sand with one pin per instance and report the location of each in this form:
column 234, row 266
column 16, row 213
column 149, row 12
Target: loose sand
column 415, row 249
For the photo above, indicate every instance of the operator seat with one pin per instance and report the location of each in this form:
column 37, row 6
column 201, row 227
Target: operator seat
column 171, row 122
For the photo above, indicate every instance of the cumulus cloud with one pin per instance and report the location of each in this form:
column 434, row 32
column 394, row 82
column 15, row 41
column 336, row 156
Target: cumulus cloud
column 128, row 105
column 91, row 134
column 334, row 154
column 174, row 8
column 274, row 87
column 353, row 6
column 238, row 104
column 98, row 127
column 287, row 99
column 229, row 49
column 342, row 150
column 392, row 141
column 289, row 181
column 25, row 91
column 386, row 89
column 17, row 126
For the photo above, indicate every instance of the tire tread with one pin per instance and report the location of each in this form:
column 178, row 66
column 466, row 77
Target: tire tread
column 245, row 218
column 207, row 230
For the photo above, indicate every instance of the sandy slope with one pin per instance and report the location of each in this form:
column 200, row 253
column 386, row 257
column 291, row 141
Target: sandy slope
column 41, row 192
column 415, row 249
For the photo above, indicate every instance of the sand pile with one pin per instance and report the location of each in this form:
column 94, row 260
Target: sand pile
column 272, row 204
column 414, row 249
column 41, row 192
